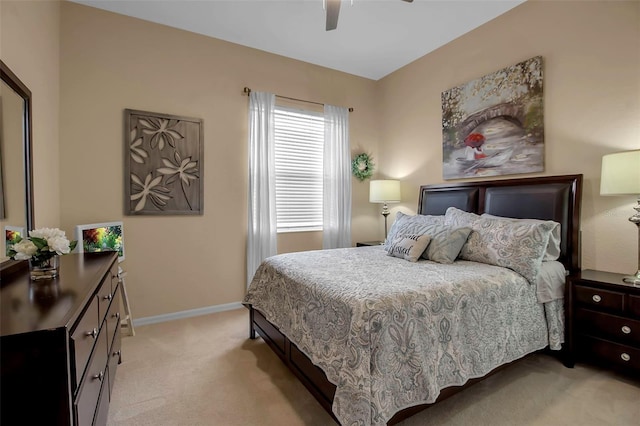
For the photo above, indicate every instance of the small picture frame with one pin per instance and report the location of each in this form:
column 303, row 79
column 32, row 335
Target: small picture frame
column 11, row 234
column 104, row 236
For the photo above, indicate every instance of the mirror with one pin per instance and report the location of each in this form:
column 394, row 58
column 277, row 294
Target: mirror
column 16, row 176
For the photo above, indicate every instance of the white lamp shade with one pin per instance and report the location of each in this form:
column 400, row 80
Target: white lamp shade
column 384, row 191
column 620, row 173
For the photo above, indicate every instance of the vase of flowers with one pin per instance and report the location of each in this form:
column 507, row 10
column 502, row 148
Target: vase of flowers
column 42, row 249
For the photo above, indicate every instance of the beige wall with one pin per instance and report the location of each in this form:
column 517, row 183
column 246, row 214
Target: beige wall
column 591, row 54
column 110, row 62
column 30, row 46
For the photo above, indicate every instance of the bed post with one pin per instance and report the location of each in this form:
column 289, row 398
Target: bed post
column 252, row 330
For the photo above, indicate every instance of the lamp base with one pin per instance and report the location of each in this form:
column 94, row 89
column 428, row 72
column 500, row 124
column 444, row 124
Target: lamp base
column 633, row 279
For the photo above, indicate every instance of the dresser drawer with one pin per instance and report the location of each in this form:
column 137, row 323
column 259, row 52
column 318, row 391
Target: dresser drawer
column 115, row 278
column 105, row 295
column 83, row 338
column 115, row 356
column 102, row 412
column 113, row 317
column 89, row 390
column 603, row 299
column 621, row 356
column 611, row 327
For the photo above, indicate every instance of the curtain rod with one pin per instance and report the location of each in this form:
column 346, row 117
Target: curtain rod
column 247, row 91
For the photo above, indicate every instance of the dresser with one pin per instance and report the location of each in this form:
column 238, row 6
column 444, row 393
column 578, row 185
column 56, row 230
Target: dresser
column 60, row 343
column 603, row 324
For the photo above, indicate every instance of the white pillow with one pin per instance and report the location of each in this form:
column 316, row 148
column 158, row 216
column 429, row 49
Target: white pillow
column 552, row 251
column 408, row 246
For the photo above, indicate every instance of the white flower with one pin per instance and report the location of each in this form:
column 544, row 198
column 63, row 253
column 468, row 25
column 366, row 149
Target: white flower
column 58, row 244
column 46, row 233
column 42, row 244
column 24, row 250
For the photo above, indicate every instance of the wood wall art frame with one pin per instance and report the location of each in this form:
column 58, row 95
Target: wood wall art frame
column 163, row 164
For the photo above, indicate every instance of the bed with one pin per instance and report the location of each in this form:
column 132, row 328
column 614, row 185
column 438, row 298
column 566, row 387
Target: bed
column 376, row 338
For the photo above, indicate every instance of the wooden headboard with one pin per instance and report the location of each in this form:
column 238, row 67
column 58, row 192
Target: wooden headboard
column 555, row 198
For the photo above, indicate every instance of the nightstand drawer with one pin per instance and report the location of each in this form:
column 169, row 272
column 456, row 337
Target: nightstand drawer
column 601, row 299
column 619, row 329
column 622, row 356
column 634, row 305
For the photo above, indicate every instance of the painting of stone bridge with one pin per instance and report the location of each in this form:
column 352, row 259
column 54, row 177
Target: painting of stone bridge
column 494, row 125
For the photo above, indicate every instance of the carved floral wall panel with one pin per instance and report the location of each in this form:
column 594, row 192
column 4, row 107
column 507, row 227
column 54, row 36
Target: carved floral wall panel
column 163, row 164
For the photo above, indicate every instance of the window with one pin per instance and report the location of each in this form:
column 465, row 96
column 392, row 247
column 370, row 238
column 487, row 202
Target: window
column 299, row 146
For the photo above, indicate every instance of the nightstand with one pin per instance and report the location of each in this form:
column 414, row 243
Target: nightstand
column 603, row 321
column 369, row 243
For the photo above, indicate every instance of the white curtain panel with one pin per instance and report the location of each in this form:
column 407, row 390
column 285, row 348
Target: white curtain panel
column 336, row 230
column 262, row 236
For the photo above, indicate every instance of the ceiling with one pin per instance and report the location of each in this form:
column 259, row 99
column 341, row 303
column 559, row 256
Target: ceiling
column 373, row 38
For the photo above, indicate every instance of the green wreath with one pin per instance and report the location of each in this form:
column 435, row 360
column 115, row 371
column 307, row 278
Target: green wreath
column 362, row 166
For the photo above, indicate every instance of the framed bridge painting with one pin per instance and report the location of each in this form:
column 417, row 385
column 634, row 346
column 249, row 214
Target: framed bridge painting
column 494, row 125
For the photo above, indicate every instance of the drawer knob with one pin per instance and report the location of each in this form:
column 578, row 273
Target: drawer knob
column 625, row 356
column 116, row 315
column 626, row 329
column 93, row 333
column 116, row 353
column 596, row 298
column 108, row 297
column 99, row 376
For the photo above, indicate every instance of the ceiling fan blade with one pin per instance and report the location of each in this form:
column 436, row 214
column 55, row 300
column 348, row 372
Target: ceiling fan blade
column 333, row 9
column 408, row 1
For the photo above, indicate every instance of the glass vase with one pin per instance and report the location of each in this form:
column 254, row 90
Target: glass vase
column 47, row 269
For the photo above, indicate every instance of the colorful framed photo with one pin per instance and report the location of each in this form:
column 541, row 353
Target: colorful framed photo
column 106, row 236
column 12, row 234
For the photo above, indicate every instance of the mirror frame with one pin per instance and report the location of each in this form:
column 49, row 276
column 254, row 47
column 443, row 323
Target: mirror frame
column 23, row 91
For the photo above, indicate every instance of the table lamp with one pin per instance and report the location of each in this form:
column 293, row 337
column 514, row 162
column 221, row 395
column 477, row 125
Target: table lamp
column 384, row 191
column 621, row 175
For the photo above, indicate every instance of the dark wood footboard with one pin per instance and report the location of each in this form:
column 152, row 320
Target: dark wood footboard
column 311, row 376
column 314, row 379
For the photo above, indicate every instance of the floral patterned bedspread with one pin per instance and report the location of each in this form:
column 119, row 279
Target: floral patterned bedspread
column 390, row 333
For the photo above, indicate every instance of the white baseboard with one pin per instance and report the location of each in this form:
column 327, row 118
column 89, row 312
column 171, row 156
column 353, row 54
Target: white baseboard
column 186, row 314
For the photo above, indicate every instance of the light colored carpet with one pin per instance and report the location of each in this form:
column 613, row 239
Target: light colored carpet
column 205, row 371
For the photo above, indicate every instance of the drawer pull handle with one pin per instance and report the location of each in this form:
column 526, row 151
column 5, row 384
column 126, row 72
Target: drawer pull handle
column 108, row 297
column 625, row 356
column 93, row 333
column 596, row 298
column 626, row 329
column 99, row 376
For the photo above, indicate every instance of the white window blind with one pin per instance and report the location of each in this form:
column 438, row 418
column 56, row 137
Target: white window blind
column 299, row 140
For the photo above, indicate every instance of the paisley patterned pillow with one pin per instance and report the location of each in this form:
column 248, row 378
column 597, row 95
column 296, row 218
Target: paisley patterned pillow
column 446, row 242
column 408, row 246
column 517, row 245
column 553, row 248
column 407, row 224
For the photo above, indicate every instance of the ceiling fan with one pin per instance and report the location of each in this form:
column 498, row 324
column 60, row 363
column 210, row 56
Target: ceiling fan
column 333, row 9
